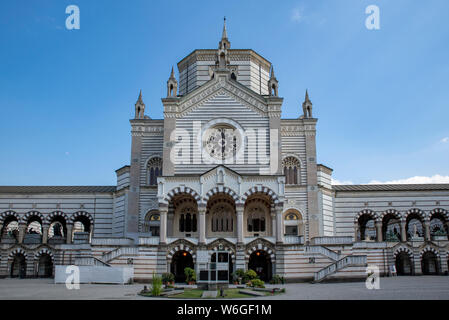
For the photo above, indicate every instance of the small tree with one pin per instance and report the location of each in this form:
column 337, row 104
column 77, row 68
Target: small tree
column 249, row 275
column 156, row 285
column 168, row 278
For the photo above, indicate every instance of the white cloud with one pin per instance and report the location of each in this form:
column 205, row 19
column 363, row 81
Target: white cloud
column 415, row 180
column 296, row 15
column 338, row 182
column 445, row 140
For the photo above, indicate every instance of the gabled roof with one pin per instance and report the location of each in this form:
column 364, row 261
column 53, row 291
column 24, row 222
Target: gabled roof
column 392, row 187
column 57, row 189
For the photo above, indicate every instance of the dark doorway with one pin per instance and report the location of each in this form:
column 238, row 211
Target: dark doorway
column 180, row 261
column 260, row 262
column 18, row 266
column 403, row 264
column 429, row 263
column 45, row 267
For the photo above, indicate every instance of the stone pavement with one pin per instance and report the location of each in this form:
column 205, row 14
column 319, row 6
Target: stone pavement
column 420, row 288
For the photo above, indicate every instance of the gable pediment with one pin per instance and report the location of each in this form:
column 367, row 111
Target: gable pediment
column 216, row 87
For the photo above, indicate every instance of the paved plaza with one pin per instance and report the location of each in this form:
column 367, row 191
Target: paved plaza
column 419, row 288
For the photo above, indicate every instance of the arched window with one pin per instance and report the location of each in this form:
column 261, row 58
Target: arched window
column 152, row 223
column 222, row 218
column 256, row 220
column 187, row 220
column 291, row 170
column 293, row 223
column 154, row 170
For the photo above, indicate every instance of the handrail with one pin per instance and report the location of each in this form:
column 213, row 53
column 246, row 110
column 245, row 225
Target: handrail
column 340, row 264
column 324, row 251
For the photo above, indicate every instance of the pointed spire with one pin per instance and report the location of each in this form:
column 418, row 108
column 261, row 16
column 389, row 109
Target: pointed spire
column 225, row 33
column 272, row 73
column 140, row 97
column 307, row 96
column 172, row 75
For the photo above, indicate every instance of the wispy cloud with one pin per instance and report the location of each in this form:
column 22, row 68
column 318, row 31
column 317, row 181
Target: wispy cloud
column 415, row 180
column 338, row 182
column 445, row 140
column 297, row 15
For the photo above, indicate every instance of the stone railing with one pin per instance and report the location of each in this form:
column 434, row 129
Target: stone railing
column 111, row 255
column 353, row 261
column 294, row 239
column 331, row 240
column 32, row 238
column 324, row 251
column 149, row 240
column 90, row 261
column 81, row 237
column 112, row 241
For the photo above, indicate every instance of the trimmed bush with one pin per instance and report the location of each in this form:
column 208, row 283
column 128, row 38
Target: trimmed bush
column 257, row 283
column 249, row 275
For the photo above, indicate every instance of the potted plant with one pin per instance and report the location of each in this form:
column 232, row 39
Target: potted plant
column 168, row 279
column 190, row 275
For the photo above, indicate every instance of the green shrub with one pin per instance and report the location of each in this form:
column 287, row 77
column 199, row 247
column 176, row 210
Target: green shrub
column 190, row 275
column 249, row 275
column 168, row 278
column 257, row 283
column 156, row 285
column 240, row 273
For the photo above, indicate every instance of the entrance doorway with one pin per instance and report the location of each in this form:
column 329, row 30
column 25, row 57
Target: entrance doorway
column 403, row 264
column 260, row 262
column 18, row 266
column 429, row 263
column 45, row 266
column 180, row 261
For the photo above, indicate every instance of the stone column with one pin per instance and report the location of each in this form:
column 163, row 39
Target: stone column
column 273, row 224
column 427, row 230
column 379, row 231
column 1, row 230
column 45, row 233
column 202, row 226
column 239, row 208
column 403, row 231
column 279, row 233
column 22, row 230
column 356, row 231
column 163, row 231
column 69, row 233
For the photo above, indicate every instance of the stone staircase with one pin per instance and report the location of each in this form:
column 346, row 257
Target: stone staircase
column 334, row 256
column 111, row 255
column 348, row 261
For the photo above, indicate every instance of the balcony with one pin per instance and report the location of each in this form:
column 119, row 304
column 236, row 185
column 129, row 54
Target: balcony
column 288, row 239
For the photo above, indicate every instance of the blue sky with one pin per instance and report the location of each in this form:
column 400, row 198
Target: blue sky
column 381, row 96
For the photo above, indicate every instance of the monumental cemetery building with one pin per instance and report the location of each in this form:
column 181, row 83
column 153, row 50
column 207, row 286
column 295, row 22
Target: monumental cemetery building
column 222, row 171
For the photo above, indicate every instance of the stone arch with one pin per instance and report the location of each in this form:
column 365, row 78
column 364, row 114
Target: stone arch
column 9, row 213
column 56, row 214
column 182, row 190
column 264, row 190
column 406, row 250
column 181, row 245
column 218, row 190
column 225, row 246
column 440, row 211
column 418, row 212
column 17, row 251
column 260, row 244
column 293, row 219
column 429, row 249
column 39, row 253
column 368, row 212
column 79, row 214
column 32, row 214
column 392, row 212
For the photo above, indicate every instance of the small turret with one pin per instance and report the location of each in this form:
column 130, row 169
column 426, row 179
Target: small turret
column 172, row 85
column 307, row 106
column 223, row 46
column 273, row 84
column 140, row 107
